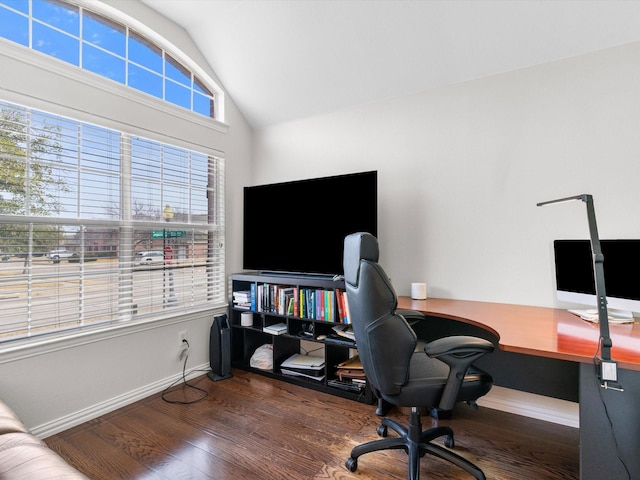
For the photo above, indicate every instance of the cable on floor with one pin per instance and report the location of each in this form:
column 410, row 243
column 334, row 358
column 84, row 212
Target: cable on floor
column 186, row 384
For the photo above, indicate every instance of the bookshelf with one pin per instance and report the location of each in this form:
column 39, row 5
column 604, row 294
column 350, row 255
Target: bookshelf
column 294, row 315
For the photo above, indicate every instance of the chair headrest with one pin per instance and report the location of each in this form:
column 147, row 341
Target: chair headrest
column 358, row 246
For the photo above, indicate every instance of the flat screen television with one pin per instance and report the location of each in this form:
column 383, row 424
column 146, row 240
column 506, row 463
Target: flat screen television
column 575, row 279
column 299, row 226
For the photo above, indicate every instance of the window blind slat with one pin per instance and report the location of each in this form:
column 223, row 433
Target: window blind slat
column 73, row 259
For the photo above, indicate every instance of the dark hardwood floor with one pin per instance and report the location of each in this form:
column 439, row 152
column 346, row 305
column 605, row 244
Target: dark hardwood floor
column 252, row 427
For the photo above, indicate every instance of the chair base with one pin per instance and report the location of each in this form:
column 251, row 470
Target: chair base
column 416, row 443
column 385, row 407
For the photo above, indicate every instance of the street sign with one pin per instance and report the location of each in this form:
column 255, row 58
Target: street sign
column 168, row 233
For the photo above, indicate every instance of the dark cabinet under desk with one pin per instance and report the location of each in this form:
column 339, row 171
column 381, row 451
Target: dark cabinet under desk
column 305, row 311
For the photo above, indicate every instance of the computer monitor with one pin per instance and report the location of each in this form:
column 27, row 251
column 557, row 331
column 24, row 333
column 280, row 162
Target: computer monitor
column 575, row 279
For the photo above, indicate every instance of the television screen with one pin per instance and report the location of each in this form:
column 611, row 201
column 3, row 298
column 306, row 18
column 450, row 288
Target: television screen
column 299, row 226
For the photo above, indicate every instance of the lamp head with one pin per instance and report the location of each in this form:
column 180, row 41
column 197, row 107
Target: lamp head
column 583, row 197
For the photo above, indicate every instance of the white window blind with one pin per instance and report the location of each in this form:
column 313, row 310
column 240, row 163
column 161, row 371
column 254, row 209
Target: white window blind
column 98, row 226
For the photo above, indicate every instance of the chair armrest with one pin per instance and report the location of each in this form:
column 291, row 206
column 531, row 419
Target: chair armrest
column 459, row 345
column 412, row 316
column 459, row 352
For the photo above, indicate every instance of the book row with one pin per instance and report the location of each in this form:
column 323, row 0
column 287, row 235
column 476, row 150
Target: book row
column 328, row 305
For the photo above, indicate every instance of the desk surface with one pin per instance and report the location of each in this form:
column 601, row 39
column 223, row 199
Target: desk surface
column 539, row 331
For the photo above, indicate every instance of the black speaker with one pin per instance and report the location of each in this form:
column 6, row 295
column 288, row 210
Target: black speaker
column 220, row 349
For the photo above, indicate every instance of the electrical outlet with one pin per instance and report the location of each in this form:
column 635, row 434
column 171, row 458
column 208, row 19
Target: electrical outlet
column 184, row 345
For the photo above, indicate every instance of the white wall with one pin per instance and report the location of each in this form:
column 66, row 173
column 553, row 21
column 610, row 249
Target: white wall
column 462, row 168
column 59, row 384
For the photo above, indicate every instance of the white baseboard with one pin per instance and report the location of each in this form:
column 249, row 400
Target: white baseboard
column 531, row 405
column 499, row 398
column 94, row 411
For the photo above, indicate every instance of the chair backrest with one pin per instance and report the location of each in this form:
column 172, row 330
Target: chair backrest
column 385, row 340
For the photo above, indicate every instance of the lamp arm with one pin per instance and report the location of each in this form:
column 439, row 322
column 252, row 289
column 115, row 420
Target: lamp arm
column 598, row 272
column 608, row 372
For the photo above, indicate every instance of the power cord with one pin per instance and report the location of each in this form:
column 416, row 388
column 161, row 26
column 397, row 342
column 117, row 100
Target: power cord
column 186, row 384
column 613, row 434
column 607, row 415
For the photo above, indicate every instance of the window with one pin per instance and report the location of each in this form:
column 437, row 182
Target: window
column 80, row 202
column 81, row 37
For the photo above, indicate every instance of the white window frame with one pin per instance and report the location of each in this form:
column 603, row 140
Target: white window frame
column 140, row 29
column 113, row 106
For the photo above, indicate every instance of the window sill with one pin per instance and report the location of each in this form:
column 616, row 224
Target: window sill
column 14, row 350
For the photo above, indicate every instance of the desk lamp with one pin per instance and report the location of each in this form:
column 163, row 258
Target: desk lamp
column 608, row 368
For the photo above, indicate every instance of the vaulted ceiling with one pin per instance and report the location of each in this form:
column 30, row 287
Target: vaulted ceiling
column 282, row 60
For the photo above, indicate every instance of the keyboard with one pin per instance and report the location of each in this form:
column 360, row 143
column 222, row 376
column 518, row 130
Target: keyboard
column 591, row 315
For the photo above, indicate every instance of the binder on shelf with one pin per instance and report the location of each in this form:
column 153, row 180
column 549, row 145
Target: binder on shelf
column 303, row 366
column 277, row 329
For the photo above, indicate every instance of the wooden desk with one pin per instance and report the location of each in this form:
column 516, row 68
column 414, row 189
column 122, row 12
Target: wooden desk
column 539, row 331
column 609, row 419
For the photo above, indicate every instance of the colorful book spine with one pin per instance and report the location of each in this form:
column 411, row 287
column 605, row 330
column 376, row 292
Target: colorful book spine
column 340, row 306
column 346, row 308
column 253, row 293
column 329, row 305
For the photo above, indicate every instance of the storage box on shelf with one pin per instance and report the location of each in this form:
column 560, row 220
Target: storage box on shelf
column 294, row 315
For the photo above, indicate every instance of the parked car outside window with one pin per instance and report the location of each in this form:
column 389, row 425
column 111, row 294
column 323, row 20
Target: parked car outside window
column 151, row 257
column 57, row 255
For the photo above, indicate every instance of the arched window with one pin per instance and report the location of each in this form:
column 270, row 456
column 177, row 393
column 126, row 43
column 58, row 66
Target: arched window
column 111, row 201
column 76, row 35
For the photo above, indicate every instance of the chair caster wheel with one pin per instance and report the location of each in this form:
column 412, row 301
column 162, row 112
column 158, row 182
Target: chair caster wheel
column 382, row 430
column 449, row 442
column 351, row 464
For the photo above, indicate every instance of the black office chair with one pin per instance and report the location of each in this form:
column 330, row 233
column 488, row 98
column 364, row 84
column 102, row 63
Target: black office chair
column 438, row 377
